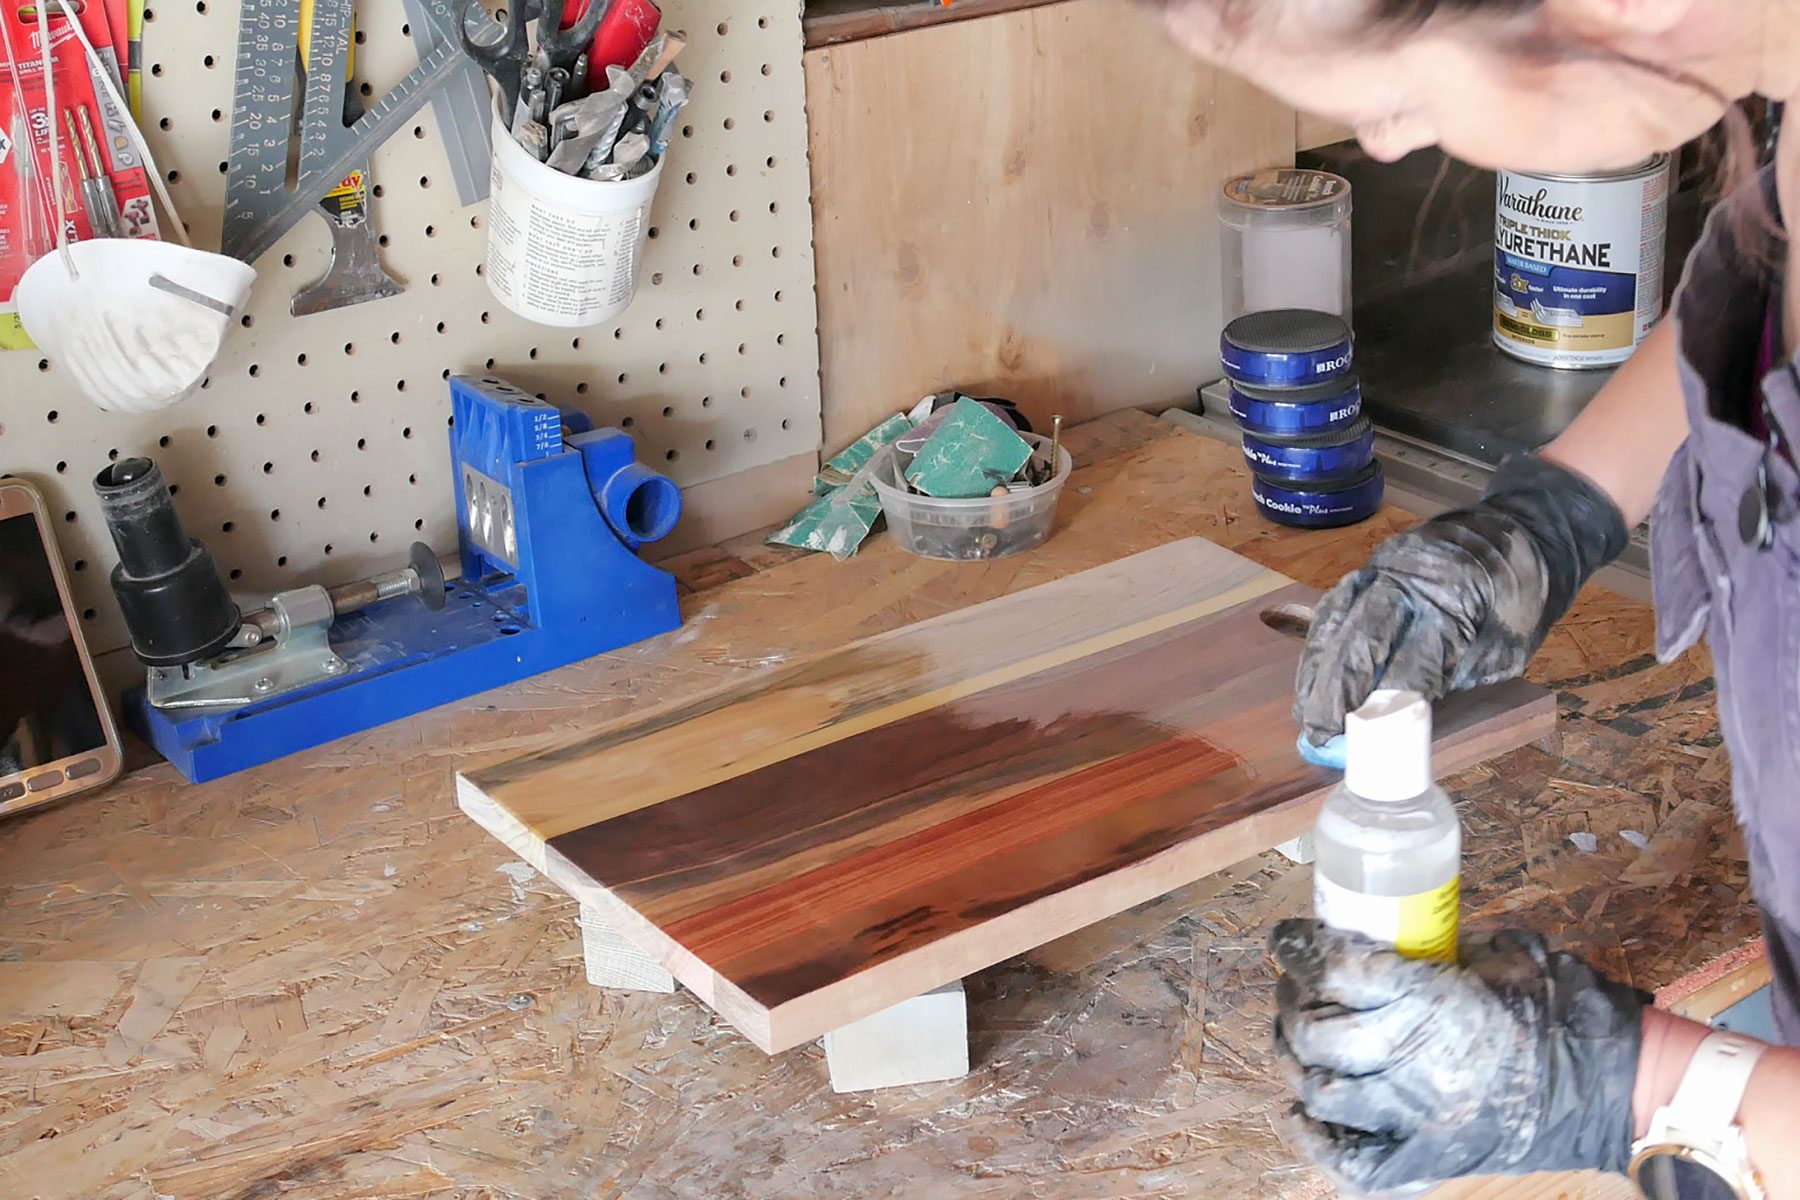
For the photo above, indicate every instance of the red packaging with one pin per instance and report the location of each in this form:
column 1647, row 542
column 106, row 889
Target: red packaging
column 22, row 92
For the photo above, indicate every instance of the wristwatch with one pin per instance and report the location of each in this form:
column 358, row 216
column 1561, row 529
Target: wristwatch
column 1695, row 1147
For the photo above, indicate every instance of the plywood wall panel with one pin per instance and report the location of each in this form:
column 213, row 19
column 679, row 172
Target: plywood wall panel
column 1024, row 204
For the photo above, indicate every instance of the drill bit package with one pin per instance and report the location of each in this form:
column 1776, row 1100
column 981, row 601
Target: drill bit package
column 75, row 108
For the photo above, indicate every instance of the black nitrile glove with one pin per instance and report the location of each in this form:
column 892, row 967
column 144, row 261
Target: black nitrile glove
column 1412, row 1072
column 1462, row 600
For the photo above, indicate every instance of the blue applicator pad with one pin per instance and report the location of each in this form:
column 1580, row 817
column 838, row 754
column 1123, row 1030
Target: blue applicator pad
column 1331, row 754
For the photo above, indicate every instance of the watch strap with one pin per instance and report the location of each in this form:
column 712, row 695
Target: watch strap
column 1712, row 1090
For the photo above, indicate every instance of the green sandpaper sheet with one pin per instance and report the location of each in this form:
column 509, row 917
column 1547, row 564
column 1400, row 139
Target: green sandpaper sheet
column 971, row 454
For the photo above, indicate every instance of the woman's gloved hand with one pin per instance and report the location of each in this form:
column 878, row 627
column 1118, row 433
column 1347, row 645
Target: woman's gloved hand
column 1410, row 1071
column 1462, row 600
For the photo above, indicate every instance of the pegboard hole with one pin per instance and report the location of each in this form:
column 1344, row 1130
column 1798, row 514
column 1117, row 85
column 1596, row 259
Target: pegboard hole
column 749, row 435
column 164, row 441
column 440, row 327
column 307, row 407
column 378, row 191
column 786, row 424
column 88, row 614
column 247, row 320
column 710, row 443
column 400, row 385
column 236, row 573
column 703, row 358
column 768, row 116
column 724, row 28
column 434, row 281
column 53, row 416
column 424, row 181
column 394, row 337
column 782, row 382
column 672, row 455
column 368, row 489
column 218, row 114
column 655, row 232
column 227, row 526
column 80, row 564
column 733, row 214
column 268, row 468
column 698, row 269
column 281, row 561
column 300, row 360
column 315, row 456
column 532, row 353
column 486, row 318
column 475, row 221
column 70, row 516
column 668, row 410
column 362, row 443
column 762, row 22
column 737, row 260
column 581, row 389
column 431, row 231
column 382, row 240
column 412, row 479
column 156, row 70
column 407, row 432
column 767, row 69
column 692, row 178
column 43, row 364
column 724, row 76
column 328, row 549
column 218, row 481
column 255, row 370
column 165, row 124
column 321, row 502
column 419, row 131
column 627, row 422
column 731, row 170
column 623, row 376
column 731, row 122
column 419, row 524
column 274, row 514
column 212, row 431
column 62, row 468
column 374, row 537
column 575, row 343
column 706, row 402
column 656, row 279
column 356, row 397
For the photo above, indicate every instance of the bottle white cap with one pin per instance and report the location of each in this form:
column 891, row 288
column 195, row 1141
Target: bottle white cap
column 1387, row 747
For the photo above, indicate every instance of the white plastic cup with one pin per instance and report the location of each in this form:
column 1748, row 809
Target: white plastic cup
column 563, row 250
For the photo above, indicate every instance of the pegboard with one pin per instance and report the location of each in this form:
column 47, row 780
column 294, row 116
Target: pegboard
column 317, row 449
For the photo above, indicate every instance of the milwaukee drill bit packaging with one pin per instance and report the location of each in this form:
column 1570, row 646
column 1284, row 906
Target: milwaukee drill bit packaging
column 104, row 184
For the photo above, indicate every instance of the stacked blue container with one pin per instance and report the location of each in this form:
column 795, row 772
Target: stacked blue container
column 1300, row 407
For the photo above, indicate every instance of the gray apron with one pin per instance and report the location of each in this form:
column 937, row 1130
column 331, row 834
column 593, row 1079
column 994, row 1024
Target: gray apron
column 1745, row 600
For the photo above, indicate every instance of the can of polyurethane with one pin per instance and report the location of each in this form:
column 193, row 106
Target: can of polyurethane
column 1578, row 263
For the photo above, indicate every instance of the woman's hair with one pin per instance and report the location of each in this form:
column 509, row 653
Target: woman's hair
column 1730, row 155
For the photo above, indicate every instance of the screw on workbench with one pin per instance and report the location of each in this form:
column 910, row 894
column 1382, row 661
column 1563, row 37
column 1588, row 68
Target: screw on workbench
column 263, row 684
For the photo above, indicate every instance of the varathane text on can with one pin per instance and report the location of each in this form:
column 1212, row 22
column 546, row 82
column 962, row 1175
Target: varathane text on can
column 1578, row 263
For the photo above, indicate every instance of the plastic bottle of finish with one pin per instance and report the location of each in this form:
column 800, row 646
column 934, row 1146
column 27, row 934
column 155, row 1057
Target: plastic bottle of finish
column 1388, row 841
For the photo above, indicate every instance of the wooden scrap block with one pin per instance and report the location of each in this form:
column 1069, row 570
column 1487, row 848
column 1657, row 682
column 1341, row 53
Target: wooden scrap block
column 613, row 962
column 921, row 1040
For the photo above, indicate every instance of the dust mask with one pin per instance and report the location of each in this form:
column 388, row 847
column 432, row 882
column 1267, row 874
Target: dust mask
column 136, row 322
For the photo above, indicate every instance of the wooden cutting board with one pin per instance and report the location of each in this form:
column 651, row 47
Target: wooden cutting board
column 814, row 844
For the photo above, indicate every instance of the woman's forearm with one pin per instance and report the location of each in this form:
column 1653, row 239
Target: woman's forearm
column 1624, row 439
column 1769, row 1107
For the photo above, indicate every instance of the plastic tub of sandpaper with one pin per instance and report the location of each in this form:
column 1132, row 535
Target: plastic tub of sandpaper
column 970, row 530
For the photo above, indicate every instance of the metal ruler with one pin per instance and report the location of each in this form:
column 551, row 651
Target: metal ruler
column 259, row 205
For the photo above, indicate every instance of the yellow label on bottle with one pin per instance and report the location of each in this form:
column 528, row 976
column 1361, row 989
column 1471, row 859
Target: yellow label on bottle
column 1419, row 926
column 1428, row 923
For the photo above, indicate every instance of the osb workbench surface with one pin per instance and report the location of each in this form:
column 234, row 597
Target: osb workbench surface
column 319, row 980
